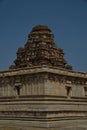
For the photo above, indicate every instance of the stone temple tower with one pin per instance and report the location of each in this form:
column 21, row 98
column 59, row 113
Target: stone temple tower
column 40, row 49
column 41, row 91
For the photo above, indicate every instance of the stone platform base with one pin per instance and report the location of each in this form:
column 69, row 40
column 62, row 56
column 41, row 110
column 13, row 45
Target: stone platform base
column 54, row 125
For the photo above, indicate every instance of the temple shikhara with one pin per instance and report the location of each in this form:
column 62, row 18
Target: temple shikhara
column 40, row 90
column 40, row 49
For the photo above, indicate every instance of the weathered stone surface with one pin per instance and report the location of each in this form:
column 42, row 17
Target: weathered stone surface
column 41, row 91
column 40, row 49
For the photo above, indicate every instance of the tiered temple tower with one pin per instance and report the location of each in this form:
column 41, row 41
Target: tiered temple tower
column 40, row 49
column 41, row 91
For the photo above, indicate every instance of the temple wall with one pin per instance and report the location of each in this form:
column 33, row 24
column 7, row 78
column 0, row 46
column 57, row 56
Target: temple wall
column 37, row 85
column 43, row 100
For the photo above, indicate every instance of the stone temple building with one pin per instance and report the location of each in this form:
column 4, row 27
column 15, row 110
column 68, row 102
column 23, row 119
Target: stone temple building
column 41, row 91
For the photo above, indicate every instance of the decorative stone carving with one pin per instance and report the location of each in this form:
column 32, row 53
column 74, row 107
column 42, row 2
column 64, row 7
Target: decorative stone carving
column 41, row 90
column 40, row 49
